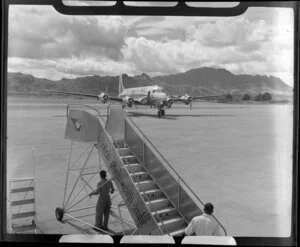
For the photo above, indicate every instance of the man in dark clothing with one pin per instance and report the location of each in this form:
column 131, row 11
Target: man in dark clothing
column 104, row 203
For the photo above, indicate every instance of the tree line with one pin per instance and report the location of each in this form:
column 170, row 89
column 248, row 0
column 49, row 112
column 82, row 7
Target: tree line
column 246, row 97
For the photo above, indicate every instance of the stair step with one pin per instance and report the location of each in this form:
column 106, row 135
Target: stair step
column 22, row 202
column 15, row 180
column 19, row 190
column 158, row 204
column 23, row 215
column 140, row 176
column 179, row 232
column 24, row 227
column 172, row 224
column 129, row 159
column 146, row 185
column 119, row 144
column 124, row 151
column 165, row 214
column 165, row 210
column 135, row 167
column 152, row 194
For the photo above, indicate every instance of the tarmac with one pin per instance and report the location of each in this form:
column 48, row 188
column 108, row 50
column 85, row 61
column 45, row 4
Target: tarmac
column 239, row 157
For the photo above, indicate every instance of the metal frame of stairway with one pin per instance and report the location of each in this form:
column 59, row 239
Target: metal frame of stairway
column 80, row 181
column 157, row 198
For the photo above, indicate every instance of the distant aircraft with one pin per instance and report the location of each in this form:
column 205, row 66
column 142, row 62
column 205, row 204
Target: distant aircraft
column 154, row 96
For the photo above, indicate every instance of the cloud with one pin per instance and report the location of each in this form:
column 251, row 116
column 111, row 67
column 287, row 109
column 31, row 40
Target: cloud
column 155, row 57
column 259, row 46
column 237, row 31
column 257, row 42
column 41, row 33
column 68, row 67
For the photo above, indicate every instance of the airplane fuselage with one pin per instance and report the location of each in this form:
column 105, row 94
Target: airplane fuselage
column 156, row 94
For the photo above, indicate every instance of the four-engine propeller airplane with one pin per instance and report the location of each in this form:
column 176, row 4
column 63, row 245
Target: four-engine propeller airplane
column 154, row 96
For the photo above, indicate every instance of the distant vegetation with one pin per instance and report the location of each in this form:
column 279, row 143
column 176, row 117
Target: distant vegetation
column 195, row 82
column 246, row 97
column 263, row 97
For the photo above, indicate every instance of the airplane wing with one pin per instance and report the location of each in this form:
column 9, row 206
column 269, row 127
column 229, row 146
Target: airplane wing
column 74, row 93
column 209, row 97
column 187, row 99
column 102, row 96
column 115, row 99
column 141, row 101
column 137, row 102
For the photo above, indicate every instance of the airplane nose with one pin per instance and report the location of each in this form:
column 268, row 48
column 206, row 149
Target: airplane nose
column 160, row 96
column 163, row 96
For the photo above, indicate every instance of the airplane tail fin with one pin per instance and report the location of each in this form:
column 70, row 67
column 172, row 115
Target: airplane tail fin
column 121, row 87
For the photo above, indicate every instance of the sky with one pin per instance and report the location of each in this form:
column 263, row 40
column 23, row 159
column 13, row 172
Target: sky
column 47, row 44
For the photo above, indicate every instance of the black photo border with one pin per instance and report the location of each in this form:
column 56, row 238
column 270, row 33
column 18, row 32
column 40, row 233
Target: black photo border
column 181, row 9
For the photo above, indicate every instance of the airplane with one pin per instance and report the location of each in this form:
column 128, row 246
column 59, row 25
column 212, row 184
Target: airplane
column 153, row 96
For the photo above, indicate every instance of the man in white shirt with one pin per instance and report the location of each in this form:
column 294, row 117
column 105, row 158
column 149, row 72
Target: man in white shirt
column 205, row 224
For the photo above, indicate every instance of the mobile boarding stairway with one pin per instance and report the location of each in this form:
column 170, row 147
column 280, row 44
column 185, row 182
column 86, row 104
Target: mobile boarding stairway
column 157, row 198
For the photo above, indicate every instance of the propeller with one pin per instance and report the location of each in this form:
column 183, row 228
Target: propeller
column 190, row 100
column 149, row 99
column 187, row 100
column 133, row 101
column 168, row 102
column 103, row 97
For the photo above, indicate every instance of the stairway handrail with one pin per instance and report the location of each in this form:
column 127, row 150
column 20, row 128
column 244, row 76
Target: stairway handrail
column 170, row 166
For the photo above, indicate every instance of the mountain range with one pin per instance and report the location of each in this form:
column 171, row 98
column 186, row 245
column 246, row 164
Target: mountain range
column 201, row 81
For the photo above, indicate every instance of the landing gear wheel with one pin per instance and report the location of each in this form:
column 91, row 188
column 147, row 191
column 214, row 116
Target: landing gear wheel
column 162, row 112
column 159, row 114
column 59, row 213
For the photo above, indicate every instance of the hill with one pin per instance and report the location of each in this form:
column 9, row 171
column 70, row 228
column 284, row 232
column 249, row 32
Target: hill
column 201, row 81
column 206, row 81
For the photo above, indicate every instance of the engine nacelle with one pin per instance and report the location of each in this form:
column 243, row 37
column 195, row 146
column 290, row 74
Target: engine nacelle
column 129, row 101
column 169, row 102
column 186, row 99
column 103, row 97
